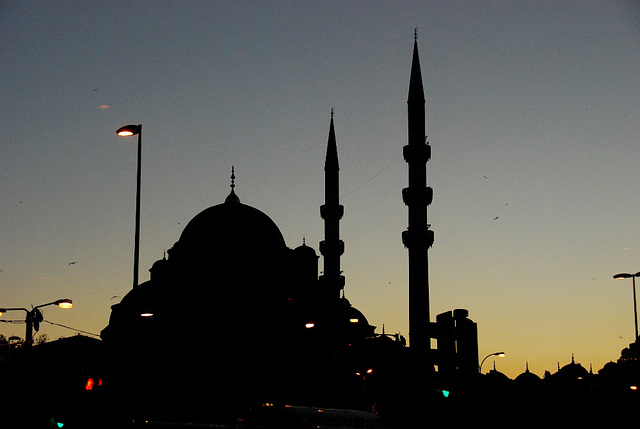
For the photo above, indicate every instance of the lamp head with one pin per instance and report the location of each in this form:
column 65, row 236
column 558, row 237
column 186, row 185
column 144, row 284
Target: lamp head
column 64, row 303
column 129, row 130
column 623, row 276
column 500, row 354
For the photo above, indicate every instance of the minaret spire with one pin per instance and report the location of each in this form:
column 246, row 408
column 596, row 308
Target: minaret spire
column 331, row 211
column 418, row 237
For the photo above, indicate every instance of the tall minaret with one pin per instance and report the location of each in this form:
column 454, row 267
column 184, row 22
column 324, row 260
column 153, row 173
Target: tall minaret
column 331, row 211
column 418, row 237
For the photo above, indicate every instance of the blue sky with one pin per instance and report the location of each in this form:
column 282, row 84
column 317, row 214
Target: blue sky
column 532, row 112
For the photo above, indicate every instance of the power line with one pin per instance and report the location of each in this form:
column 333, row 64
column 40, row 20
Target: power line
column 371, row 178
column 73, row 329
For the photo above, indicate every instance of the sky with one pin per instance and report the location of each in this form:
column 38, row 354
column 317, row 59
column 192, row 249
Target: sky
column 532, row 112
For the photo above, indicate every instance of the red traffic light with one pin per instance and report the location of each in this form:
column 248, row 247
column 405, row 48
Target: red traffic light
column 92, row 383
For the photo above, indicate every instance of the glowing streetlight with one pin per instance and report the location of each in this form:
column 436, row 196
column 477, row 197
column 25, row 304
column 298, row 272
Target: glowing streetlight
column 498, row 354
column 34, row 316
column 128, row 131
column 635, row 307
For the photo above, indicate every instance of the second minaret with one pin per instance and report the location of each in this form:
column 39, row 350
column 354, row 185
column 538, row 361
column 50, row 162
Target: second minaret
column 331, row 211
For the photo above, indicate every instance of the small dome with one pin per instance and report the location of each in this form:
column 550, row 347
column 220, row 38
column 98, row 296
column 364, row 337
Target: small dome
column 496, row 377
column 305, row 251
column 573, row 370
column 571, row 373
column 527, row 377
column 355, row 320
column 159, row 268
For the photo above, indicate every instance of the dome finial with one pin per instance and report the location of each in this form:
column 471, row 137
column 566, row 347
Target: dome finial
column 415, row 34
column 232, row 198
column 233, row 177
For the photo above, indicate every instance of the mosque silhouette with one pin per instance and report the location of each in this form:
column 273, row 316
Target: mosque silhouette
column 234, row 316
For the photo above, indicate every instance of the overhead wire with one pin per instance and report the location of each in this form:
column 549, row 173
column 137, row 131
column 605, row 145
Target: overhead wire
column 371, row 178
column 73, row 329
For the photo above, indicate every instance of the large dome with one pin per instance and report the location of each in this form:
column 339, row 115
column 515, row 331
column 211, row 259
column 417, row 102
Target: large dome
column 229, row 227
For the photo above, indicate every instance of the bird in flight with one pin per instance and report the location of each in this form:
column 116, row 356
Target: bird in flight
column 72, row 263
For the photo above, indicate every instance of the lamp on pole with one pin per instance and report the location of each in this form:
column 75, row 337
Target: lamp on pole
column 635, row 307
column 128, row 131
column 34, row 316
column 499, row 354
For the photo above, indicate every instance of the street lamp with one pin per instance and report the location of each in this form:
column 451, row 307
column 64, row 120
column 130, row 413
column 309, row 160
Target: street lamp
column 635, row 308
column 128, row 131
column 34, row 316
column 499, row 354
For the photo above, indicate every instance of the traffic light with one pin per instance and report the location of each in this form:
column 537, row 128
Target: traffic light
column 55, row 422
column 92, row 383
column 37, row 318
column 444, row 392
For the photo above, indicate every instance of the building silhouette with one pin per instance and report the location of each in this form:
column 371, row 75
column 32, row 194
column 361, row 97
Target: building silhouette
column 233, row 316
column 277, row 330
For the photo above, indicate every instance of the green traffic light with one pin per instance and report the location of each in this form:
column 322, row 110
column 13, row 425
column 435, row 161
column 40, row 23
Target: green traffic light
column 445, row 393
column 56, row 423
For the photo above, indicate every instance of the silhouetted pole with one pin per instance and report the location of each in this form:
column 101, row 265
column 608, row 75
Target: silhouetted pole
column 635, row 306
column 32, row 317
column 127, row 131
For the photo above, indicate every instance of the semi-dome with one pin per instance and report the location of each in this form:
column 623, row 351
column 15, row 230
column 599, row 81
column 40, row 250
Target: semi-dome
column 230, row 226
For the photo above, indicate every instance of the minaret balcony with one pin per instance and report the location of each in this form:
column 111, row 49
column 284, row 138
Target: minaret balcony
column 417, row 153
column 417, row 196
column 331, row 212
column 416, row 239
column 329, row 248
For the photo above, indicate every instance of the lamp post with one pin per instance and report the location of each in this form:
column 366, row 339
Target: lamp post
column 127, row 131
column 34, row 316
column 499, row 354
column 635, row 307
